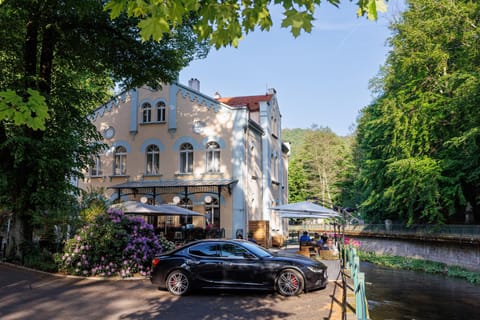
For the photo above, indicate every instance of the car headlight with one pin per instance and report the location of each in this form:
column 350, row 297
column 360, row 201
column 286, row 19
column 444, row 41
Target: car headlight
column 316, row 270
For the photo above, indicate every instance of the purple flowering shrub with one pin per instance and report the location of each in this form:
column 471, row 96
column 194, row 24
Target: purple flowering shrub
column 114, row 244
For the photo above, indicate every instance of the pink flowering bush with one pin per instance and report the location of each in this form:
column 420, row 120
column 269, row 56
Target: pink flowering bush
column 114, row 244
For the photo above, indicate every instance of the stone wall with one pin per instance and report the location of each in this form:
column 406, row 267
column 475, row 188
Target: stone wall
column 460, row 254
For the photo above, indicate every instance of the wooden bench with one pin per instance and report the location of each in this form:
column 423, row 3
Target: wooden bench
column 307, row 251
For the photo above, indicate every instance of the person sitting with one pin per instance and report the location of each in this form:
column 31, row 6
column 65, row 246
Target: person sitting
column 324, row 237
column 319, row 243
column 305, row 238
column 332, row 247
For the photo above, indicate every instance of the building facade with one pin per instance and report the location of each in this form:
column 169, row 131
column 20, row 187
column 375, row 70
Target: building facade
column 223, row 157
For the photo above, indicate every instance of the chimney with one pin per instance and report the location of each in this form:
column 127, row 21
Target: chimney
column 194, row 84
column 271, row 91
column 217, row 95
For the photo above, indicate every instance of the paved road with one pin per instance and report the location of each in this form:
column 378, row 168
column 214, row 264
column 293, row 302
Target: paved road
column 27, row 294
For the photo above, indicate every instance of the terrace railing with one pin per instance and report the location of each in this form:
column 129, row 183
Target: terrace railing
column 469, row 233
column 352, row 264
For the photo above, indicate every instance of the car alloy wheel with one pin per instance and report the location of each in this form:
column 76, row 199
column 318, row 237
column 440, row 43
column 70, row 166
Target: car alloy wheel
column 289, row 283
column 178, row 283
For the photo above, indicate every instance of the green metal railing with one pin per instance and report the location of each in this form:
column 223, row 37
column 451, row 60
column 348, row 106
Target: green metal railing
column 352, row 262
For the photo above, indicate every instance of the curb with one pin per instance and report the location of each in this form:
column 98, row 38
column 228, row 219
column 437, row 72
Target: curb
column 59, row 275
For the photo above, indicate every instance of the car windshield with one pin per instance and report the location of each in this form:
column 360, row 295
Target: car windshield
column 257, row 250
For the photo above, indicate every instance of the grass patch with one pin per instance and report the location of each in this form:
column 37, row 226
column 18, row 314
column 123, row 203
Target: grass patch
column 406, row 263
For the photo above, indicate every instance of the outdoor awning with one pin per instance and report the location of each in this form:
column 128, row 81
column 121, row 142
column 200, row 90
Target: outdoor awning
column 135, row 207
column 305, row 210
column 154, row 188
column 174, row 183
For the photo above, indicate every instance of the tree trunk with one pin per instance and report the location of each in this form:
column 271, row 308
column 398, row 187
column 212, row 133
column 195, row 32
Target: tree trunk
column 15, row 238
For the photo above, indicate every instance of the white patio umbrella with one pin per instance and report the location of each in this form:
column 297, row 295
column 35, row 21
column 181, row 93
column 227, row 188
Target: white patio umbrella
column 304, row 210
column 138, row 208
column 135, row 207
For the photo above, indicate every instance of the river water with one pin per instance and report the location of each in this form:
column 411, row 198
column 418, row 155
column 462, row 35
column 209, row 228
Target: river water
column 401, row 294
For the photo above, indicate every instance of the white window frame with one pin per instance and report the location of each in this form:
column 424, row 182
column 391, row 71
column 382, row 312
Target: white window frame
column 186, row 158
column 213, row 208
column 152, row 160
column 161, row 111
column 120, row 161
column 147, row 112
column 212, row 157
column 96, row 169
column 187, row 204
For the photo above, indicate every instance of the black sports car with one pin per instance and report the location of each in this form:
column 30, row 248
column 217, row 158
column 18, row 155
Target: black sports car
column 236, row 264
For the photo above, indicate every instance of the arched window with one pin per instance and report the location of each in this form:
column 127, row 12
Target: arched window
column 120, row 161
column 147, row 112
column 213, row 157
column 161, row 109
column 186, row 158
column 186, row 203
column 96, row 169
column 153, row 160
column 212, row 211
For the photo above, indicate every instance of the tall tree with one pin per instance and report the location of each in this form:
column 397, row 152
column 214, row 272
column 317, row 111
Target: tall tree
column 418, row 143
column 67, row 54
column 225, row 22
column 316, row 168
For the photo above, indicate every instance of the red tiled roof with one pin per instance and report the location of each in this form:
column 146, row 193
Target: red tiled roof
column 251, row 102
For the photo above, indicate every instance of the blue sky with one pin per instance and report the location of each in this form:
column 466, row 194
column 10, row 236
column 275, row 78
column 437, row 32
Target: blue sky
column 321, row 78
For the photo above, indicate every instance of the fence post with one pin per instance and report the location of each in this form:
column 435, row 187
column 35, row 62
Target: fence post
column 360, row 297
column 361, row 305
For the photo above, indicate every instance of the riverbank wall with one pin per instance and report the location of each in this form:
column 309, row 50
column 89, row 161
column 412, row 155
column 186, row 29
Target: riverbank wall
column 452, row 245
column 450, row 253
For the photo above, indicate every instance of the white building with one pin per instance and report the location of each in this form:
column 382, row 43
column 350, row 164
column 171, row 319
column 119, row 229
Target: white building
column 220, row 156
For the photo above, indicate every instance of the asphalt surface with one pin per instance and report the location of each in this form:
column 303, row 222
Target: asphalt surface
column 28, row 294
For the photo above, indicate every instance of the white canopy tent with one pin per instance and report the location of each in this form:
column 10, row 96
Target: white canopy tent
column 306, row 210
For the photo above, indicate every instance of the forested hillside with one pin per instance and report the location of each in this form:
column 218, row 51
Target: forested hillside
column 317, row 164
column 416, row 151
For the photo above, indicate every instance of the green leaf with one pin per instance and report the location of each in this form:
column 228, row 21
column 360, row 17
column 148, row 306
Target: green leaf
column 116, row 7
column 31, row 110
column 297, row 21
column 153, row 28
